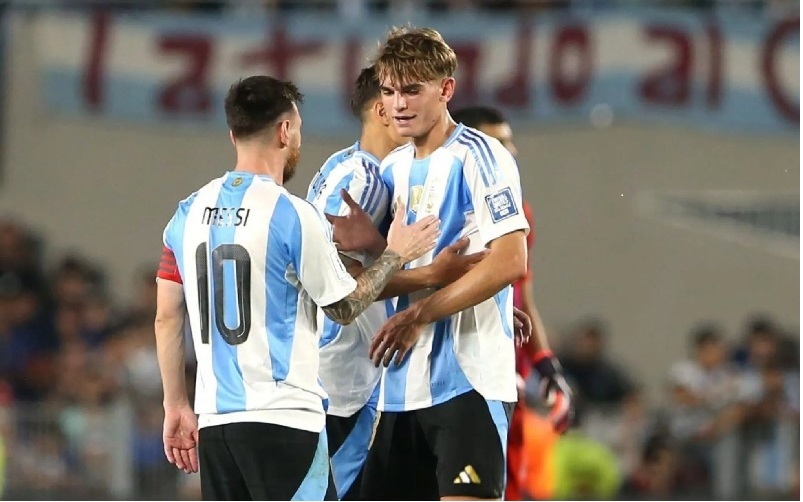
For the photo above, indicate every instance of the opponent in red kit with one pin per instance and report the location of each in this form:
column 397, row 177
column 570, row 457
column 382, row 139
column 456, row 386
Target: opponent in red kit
column 535, row 353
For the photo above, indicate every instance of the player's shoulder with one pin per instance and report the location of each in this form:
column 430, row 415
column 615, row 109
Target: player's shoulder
column 187, row 202
column 343, row 156
column 470, row 143
column 298, row 208
column 405, row 151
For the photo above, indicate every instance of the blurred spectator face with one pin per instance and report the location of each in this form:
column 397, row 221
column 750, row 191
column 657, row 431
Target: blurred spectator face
column 69, row 323
column 711, row 354
column 503, row 133
column 590, row 344
column 146, row 292
column 773, row 379
column 16, row 252
column 763, row 347
column 97, row 312
column 71, row 288
column 662, row 469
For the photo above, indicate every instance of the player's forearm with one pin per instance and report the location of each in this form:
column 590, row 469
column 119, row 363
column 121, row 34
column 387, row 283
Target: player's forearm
column 370, row 284
column 478, row 285
column 405, row 282
column 170, row 353
column 402, row 282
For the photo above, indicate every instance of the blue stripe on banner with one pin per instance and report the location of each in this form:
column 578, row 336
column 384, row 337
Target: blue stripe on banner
column 230, row 388
column 281, row 305
column 314, row 485
column 745, row 108
column 350, row 457
column 499, row 417
column 485, row 148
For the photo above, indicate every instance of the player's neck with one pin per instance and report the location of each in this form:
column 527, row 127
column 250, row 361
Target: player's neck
column 435, row 138
column 376, row 141
column 261, row 161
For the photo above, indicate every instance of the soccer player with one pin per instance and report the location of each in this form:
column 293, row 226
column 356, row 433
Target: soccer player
column 449, row 377
column 347, row 373
column 247, row 262
column 535, row 354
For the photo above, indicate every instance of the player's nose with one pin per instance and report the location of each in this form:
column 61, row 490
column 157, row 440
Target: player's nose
column 399, row 103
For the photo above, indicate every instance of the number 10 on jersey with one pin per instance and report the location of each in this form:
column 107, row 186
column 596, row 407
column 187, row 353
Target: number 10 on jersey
column 238, row 290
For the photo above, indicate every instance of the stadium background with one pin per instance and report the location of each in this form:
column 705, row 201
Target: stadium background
column 658, row 147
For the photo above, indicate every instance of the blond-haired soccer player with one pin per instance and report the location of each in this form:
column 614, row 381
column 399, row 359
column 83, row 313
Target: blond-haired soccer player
column 449, row 383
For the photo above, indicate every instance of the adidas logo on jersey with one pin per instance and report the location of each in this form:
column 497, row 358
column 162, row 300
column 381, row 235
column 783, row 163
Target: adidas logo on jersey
column 467, row 476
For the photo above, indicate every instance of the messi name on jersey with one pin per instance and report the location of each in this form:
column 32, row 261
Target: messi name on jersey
column 225, row 216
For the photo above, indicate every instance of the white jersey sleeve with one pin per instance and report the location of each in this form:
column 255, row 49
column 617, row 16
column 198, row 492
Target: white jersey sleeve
column 492, row 177
column 317, row 263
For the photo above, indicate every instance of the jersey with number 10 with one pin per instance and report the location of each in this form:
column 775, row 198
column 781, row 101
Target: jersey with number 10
column 472, row 184
column 254, row 261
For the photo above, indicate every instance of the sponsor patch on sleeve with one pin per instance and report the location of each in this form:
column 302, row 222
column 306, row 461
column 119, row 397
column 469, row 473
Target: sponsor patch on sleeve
column 502, row 205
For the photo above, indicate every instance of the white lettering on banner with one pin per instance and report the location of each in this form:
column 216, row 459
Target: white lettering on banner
column 671, row 66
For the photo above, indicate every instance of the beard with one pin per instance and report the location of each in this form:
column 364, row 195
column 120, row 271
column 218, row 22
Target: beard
column 291, row 163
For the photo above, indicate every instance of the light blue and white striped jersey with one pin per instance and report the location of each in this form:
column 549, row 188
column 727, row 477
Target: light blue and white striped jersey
column 347, row 373
column 254, row 261
column 472, row 184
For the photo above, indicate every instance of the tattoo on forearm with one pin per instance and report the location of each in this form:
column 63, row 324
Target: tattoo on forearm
column 369, row 284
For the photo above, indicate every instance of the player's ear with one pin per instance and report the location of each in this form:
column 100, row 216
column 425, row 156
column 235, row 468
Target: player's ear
column 447, row 89
column 379, row 110
column 231, row 137
column 283, row 132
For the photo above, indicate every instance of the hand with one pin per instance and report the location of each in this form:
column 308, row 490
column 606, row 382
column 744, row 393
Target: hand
column 555, row 391
column 180, row 437
column 355, row 231
column 397, row 336
column 412, row 241
column 450, row 264
column 522, row 327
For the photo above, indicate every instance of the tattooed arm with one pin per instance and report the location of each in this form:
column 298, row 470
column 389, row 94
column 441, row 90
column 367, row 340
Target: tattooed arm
column 370, row 283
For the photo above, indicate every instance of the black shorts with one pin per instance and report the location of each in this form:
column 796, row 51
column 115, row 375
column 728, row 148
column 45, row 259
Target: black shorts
column 349, row 442
column 258, row 461
column 456, row 448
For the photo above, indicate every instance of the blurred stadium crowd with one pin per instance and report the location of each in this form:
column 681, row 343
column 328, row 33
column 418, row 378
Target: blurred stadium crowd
column 358, row 8
column 80, row 400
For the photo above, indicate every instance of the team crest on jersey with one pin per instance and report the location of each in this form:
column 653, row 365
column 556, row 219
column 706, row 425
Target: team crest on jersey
column 237, row 182
column 416, row 193
column 501, row 205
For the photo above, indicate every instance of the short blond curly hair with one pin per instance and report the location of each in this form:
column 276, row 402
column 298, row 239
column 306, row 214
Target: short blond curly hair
column 414, row 55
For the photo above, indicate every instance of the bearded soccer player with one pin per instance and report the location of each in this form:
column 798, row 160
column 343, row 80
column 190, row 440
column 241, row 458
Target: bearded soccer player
column 247, row 264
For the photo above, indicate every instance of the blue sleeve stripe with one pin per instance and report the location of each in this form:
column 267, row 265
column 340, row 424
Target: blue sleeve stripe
column 334, row 202
column 481, row 150
column 477, row 160
column 368, row 189
column 376, row 188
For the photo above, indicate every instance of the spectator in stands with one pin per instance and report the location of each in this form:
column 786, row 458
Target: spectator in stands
column 598, row 381
column 705, row 411
column 654, row 478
